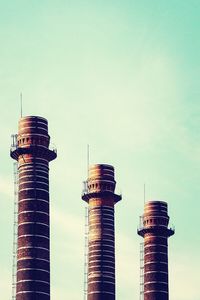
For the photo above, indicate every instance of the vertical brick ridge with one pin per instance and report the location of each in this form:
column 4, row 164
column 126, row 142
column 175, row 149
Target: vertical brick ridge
column 33, row 251
column 101, row 241
column 154, row 229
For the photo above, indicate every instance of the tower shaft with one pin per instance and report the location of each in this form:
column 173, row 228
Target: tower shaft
column 101, row 241
column 33, row 251
column 155, row 232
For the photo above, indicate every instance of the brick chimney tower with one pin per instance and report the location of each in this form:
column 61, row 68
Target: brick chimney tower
column 155, row 231
column 31, row 151
column 101, row 199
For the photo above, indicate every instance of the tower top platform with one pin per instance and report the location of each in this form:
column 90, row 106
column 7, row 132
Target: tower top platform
column 100, row 182
column 32, row 137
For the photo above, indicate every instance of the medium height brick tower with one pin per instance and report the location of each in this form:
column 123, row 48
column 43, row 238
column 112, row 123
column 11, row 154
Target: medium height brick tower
column 33, row 258
column 154, row 229
column 101, row 253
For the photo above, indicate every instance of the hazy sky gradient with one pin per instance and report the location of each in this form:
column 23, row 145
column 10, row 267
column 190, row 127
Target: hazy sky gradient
column 122, row 76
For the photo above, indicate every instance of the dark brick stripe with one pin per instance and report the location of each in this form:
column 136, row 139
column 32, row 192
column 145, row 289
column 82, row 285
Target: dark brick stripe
column 156, row 286
column 33, row 172
column 156, row 266
column 32, row 178
column 39, row 286
column 101, row 286
column 109, row 244
column 155, row 248
column 33, row 274
column 33, row 129
column 156, row 257
column 156, row 276
column 156, row 294
column 33, row 263
column 34, row 193
column 33, row 228
column 33, row 217
column 37, row 253
column 34, row 204
column 33, row 241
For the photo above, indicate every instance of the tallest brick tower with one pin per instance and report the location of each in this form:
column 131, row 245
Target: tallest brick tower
column 101, row 199
column 33, row 252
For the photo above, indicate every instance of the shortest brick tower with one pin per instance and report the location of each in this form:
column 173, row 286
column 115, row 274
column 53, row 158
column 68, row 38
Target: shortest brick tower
column 100, row 196
column 154, row 229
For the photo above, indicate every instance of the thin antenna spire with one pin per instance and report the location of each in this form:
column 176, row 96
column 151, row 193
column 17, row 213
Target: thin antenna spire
column 144, row 193
column 21, row 103
column 88, row 158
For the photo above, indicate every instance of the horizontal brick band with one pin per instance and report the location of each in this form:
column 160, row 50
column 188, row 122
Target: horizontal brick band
column 36, row 252
column 156, row 266
column 34, row 193
column 33, row 263
column 29, row 285
column 33, row 130
column 34, row 204
column 156, row 257
column 96, row 252
column 101, row 255
column 102, row 232
column 97, row 226
column 156, row 286
column 33, row 185
column 156, row 276
column 33, row 216
column 37, row 241
column 37, row 154
column 33, row 178
column 33, row 199
column 101, row 268
column 34, row 212
column 100, row 276
column 105, row 295
column 100, row 286
column 155, row 248
column 105, row 205
column 95, row 245
column 33, row 228
column 107, row 262
column 33, row 274
column 32, row 171
column 35, row 170
column 31, row 295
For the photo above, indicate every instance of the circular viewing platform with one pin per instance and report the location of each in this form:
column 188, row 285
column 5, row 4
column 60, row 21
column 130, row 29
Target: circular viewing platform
column 100, row 183
column 32, row 138
column 155, row 219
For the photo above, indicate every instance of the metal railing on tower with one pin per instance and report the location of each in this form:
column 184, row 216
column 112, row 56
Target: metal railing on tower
column 15, row 230
column 141, row 271
column 86, row 254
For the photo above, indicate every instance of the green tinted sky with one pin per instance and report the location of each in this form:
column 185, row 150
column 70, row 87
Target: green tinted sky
column 123, row 77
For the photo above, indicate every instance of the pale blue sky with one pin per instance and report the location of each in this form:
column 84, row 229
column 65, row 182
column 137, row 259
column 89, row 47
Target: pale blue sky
column 123, row 77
